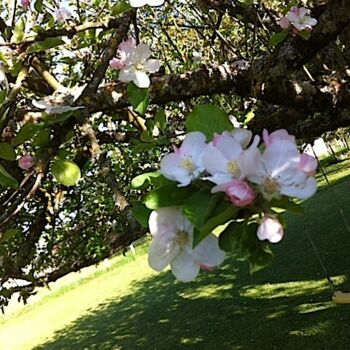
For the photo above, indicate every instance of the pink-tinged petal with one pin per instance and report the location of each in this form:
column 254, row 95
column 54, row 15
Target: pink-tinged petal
column 152, row 65
column 303, row 12
column 292, row 17
column 127, row 45
column 26, row 162
column 184, row 268
column 155, row 2
column 277, row 136
column 160, row 255
column 25, row 3
column 208, row 252
column 141, row 53
column 295, row 10
column 127, row 74
column 284, row 23
column 243, row 136
column 116, row 63
column 270, row 229
column 141, row 79
column 302, row 191
column 137, row 3
column 308, row 164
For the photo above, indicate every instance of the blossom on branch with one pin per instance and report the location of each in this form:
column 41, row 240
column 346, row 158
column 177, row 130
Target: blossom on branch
column 25, row 3
column 134, row 63
column 173, row 244
column 186, row 163
column 299, row 18
column 277, row 170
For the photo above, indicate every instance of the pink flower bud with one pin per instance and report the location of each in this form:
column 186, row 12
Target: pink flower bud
column 26, row 162
column 284, row 23
column 307, row 164
column 270, row 229
column 240, row 193
column 276, row 136
column 116, row 63
column 25, row 3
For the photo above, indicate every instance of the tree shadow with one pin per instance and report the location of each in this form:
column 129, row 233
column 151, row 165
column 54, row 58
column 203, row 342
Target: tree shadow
column 285, row 306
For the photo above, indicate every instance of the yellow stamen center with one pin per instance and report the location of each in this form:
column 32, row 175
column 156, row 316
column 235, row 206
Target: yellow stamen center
column 187, row 164
column 233, row 168
column 182, row 238
column 271, row 185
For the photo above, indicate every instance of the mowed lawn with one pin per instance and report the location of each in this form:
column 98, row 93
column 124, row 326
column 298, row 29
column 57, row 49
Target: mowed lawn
column 285, row 306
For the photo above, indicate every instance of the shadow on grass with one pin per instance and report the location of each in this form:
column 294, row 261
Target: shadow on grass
column 285, row 306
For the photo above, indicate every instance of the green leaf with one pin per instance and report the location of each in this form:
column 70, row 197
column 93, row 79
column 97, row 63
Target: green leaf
column 141, row 214
column 26, row 132
column 139, row 98
column 277, row 38
column 119, row 8
column 7, row 151
column 38, row 6
column 200, row 206
column 8, row 234
column 42, row 138
column 144, row 179
column 66, row 172
column 44, row 45
column 160, row 119
column 7, row 180
column 18, row 31
column 230, row 237
column 3, row 94
column 305, row 34
column 212, row 223
column 208, row 119
column 166, row 196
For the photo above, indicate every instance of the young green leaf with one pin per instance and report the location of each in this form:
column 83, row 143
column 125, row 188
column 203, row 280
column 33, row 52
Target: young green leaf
column 6, row 179
column 66, row 172
column 208, row 119
column 7, row 151
column 139, row 98
column 277, row 38
column 26, row 132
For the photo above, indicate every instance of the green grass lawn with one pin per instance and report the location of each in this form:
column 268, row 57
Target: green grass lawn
column 285, row 306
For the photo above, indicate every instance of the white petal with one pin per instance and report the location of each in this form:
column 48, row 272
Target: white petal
column 152, row 65
column 61, row 109
column 165, row 221
column 302, row 191
column 193, row 145
column 141, row 79
column 160, row 255
column 42, row 104
column 207, row 252
column 141, row 53
column 127, row 74
column 137, row 3
column 214, row 161
column 184, row 268
column 229, row 147
column 170, row 168
column 155, row 2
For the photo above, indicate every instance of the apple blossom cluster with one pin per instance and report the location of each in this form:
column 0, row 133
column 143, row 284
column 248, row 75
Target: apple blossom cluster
column 251, row 174
column 298, row 18
column 133, row 63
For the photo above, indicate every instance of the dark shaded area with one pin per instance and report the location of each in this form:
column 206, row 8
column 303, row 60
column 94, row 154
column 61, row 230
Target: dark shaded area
column 231, row 309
